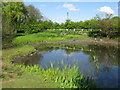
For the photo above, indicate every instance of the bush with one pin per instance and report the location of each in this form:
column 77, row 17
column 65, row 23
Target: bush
column 114, row 34
column 96, row 33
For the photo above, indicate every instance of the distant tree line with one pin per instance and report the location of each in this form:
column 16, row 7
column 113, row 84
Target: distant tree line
column 19, row 19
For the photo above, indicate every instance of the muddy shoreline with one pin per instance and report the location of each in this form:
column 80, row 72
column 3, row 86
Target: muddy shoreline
column 75, row 42
column 25, row 55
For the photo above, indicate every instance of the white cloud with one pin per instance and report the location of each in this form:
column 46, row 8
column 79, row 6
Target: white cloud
column 70, row 7
column 106, row 10
column 42, row 5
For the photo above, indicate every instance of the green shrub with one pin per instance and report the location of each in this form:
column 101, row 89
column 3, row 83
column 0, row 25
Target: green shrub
column 114, row 34
column 96, row 33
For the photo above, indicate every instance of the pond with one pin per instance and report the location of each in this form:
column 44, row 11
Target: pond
column 97, row 61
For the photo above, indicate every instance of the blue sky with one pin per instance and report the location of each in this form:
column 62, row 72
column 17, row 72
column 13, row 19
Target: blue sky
column 78, row 11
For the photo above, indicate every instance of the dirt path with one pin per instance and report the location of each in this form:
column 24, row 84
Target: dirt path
column 75, row 42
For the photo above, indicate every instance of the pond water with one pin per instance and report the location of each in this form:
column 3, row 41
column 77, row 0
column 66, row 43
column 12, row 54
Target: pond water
column 97, row 61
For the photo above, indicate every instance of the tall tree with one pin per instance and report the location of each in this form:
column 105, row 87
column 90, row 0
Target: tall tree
column 33, row 13
column 105, row 24
column 13, row 15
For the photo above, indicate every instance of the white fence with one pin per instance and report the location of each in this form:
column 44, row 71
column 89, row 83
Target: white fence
column 73, row 29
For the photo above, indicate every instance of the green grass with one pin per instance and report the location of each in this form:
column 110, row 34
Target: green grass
column 48, row 36
column 26, row 80
column 34, row 81
column 7, row 54
column 51, row 36
column 21, row 76
column 36, row 77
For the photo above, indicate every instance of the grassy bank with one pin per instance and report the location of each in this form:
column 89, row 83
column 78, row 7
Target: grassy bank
column 36, row 77
column 52, row 36
column 20, row 76
column 48, row 36
column 19, row 50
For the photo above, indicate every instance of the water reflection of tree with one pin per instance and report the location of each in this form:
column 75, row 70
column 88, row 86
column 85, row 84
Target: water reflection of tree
column 44, row 48
column 105, row 54
column 69, row 51
column 29, row 60
column 105, row 68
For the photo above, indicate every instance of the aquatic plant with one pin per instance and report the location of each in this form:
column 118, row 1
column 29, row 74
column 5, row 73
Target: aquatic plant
column 68, row 77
